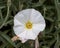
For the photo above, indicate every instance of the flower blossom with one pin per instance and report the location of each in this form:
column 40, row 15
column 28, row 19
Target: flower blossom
column 28, row 24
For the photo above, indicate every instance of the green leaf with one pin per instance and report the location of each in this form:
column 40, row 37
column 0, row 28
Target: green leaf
column 40, row 3
column 7, row 39
column 58, row 9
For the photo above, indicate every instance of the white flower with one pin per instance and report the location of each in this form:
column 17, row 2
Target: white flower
column 28, row 24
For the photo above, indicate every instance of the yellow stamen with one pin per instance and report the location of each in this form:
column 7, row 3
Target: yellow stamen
column 28, row 25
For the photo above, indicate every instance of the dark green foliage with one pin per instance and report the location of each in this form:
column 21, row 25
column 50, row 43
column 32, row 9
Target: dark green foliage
column 50, row 9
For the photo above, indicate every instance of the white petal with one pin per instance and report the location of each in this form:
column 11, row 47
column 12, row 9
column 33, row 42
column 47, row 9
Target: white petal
column 36, row 17
column 26, row 12
column 21, row 18
column 23, row 41
column 24, row 15
column 16, row 22
column 37, row 28
column 18, row 29
column 28, row 35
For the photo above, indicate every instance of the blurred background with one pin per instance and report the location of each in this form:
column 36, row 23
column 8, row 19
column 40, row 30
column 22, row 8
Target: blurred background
column 50, row 9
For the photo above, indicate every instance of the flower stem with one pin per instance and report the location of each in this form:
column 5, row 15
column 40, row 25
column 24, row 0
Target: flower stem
column 36, row 43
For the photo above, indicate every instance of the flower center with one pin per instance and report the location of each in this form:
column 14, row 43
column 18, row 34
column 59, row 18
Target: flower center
column 28, row 25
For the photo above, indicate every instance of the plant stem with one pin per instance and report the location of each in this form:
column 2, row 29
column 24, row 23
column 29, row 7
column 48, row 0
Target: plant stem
column 20, row 6
column 6, row 18
column 36, row 43
column 1, row 15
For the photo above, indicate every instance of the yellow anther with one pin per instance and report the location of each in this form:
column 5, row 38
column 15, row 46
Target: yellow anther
column 28, row 25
